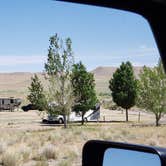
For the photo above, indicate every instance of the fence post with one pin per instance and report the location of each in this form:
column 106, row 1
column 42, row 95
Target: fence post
column 104, row 118
column 139, row 117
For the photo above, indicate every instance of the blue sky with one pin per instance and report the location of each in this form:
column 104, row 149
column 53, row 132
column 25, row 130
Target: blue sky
column 119, row 157
column 100, row 36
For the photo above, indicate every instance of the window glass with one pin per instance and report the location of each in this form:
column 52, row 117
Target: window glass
column 102, row 39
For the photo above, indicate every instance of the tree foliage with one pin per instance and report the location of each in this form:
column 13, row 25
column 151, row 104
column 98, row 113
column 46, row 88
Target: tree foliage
column 123, row 86
column 152, row 91
column 58, row 69
column 36, row 96
column 84, row 89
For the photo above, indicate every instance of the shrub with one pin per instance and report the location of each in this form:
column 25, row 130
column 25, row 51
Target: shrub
column 25, row 152
column 48, row 152
column 9, row 159
column 3, row 147
column 41, row 163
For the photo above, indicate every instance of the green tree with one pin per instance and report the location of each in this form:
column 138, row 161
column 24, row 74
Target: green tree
column 152, row 91
column 36, row 96
column 58, row 69
column 84, row 89
column 123, row 87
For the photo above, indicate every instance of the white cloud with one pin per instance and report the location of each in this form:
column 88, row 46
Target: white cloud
column 140, row 51
column 139, row 56
column 10, row 60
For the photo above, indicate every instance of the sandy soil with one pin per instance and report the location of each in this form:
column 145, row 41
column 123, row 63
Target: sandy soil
column 25, row 141
column 32, row 120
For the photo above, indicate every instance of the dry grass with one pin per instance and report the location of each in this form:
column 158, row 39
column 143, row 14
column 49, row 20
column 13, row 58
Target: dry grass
column 2, row 147
column 41, row 163
column 9, row 159
column 30, row 143
column 48, row 152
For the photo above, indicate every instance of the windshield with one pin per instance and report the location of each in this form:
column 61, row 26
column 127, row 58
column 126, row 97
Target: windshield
column 57, row 58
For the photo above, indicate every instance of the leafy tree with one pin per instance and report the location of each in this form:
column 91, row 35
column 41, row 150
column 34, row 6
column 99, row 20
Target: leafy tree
column 123, row 86
column 36, row 96
column 58, row 69
column 84, row 89
column 152, row 91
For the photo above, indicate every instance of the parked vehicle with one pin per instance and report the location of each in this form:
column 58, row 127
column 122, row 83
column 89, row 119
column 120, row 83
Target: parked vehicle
column 9, row 103
column 28, row 107
column 91, row 115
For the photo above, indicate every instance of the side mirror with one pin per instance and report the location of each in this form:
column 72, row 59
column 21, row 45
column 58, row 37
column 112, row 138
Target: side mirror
column 103, row 153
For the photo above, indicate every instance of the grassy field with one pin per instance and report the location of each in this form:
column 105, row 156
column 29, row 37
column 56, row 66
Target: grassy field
column 25, row 141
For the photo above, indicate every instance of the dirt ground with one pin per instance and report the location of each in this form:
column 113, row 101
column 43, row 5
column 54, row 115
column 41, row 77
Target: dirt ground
column 25, row 141
column 32, row 120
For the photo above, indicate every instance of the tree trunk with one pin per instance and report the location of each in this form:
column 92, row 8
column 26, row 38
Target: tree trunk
column 157, row 120
column 127, row 115
column 82, row 119
column 65, row 121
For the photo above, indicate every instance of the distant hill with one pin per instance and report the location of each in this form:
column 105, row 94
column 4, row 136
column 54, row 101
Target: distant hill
column 16, row 84
column 103, row 74
column 108, row 71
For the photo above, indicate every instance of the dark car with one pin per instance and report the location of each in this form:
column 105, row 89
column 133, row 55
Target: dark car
column 29, row 107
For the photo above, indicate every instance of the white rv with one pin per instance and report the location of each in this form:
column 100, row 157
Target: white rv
column 91, row 115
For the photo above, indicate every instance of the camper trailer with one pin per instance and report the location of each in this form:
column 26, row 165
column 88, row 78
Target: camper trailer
column 91, row 115
column 9, row 103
